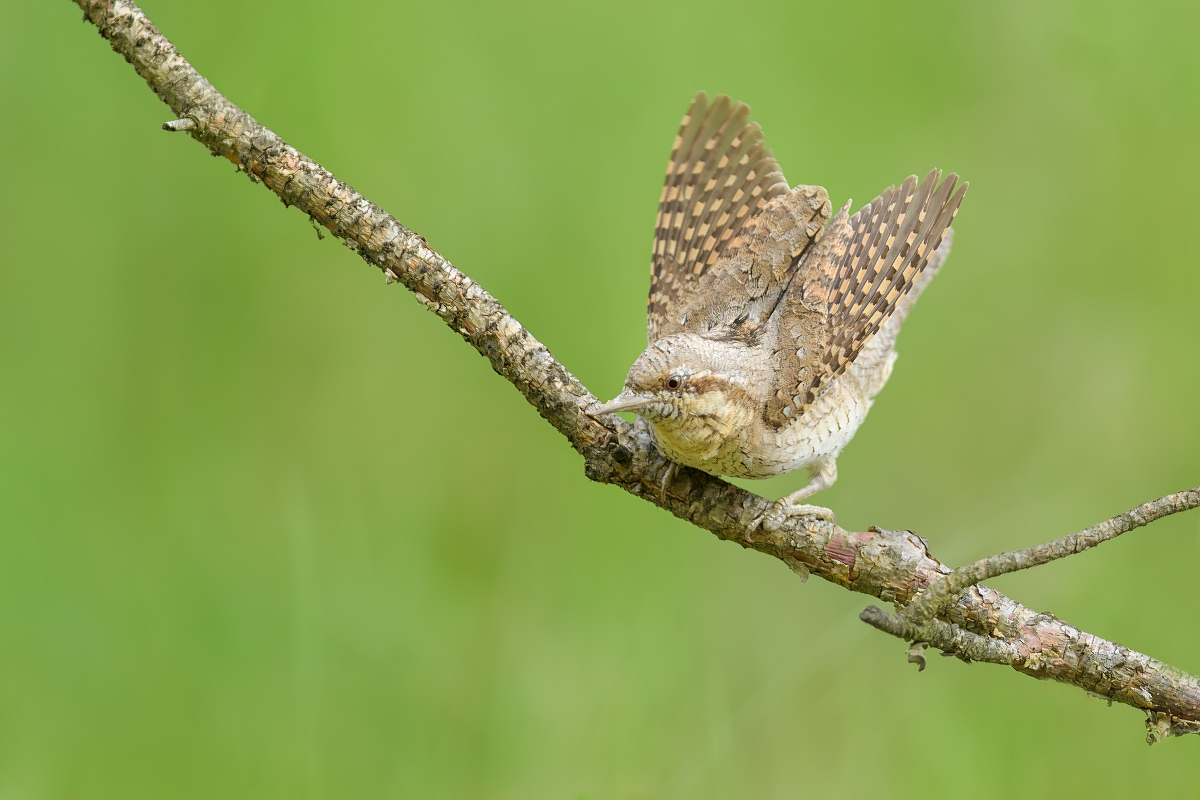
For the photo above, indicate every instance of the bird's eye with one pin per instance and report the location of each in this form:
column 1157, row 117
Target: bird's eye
column 673, row 383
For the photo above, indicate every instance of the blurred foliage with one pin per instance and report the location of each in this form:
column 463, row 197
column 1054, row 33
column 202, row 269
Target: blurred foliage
column 268, row 529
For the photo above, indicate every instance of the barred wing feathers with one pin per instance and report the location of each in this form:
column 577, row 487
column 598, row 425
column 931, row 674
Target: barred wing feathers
column 851, row 282
column 720, row 175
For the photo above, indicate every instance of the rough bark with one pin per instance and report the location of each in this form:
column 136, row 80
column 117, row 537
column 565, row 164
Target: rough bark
column 894, row 566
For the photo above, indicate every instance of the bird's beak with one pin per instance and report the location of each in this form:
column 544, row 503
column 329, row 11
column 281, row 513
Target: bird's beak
column 625, row 401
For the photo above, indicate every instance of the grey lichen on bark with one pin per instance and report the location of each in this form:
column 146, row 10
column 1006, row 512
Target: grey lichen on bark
column 960, row 616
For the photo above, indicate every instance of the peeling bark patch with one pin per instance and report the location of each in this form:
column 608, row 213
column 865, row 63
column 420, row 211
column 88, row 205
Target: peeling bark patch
column 840, row 550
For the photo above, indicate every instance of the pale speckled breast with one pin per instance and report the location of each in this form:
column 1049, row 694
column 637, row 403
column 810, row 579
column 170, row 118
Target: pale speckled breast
column 833, row 419
column 704, row 443
column 727, row 457
column 759, row 451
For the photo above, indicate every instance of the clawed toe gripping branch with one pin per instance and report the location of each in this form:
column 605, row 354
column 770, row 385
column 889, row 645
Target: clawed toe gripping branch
column 949, row 610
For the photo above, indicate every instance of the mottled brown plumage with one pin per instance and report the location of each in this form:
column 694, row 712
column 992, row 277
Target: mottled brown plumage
column 770, row 330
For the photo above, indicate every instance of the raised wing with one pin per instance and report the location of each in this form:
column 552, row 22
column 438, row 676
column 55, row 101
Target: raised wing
column 720, row 175
column 851, row 282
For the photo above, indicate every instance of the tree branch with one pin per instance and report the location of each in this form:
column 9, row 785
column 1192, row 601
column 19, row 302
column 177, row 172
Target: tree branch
column 930, row 602
column 894, row 566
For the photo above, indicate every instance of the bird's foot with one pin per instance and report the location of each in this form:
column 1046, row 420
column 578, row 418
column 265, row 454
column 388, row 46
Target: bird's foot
column 783, row 509
column 666, row 481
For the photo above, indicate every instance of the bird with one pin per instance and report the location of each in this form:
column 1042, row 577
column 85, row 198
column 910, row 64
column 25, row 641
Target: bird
column 772, row 326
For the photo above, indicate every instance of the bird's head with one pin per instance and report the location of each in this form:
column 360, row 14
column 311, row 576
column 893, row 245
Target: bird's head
column 693, row 389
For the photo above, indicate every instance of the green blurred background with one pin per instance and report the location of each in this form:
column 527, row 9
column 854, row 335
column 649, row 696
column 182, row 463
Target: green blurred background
column 269, row 529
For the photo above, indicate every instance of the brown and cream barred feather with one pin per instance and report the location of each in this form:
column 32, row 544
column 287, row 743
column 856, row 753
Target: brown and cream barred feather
column 891, row 241
column 730, row 236
column 851, row 282
column 720, row 175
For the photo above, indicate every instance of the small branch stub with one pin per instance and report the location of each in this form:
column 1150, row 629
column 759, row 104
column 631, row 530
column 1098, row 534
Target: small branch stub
column 182, row 124
column 916, row 655
column 797, row 566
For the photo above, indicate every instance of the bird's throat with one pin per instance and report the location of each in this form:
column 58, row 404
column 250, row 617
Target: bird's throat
column 704, row 439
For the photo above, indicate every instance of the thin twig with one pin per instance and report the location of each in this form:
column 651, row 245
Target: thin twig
column 931, row 601
column 891, row 565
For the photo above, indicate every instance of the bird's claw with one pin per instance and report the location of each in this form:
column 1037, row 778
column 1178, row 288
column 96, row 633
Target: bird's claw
column 666, row 480
column 783, row 509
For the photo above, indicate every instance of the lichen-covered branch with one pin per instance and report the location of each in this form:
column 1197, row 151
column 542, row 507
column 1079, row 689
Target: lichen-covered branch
column 894, row 566
column 931, row 601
